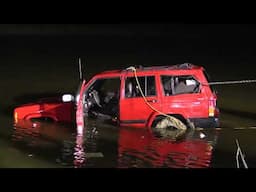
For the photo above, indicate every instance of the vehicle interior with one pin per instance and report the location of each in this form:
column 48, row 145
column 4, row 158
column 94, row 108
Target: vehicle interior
column 174, row 85
column 102, row 99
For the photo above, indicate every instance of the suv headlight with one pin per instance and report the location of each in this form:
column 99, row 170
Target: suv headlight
column 67, row 98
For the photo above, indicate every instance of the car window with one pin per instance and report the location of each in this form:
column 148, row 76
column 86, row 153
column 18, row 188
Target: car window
column 147, row 84
column 105, row 88
column 173, row 85
column 105, row 85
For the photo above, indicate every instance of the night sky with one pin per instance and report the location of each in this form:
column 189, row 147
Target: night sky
column 201, row 39
column 217, row 47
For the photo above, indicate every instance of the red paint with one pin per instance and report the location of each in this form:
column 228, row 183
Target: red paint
column 134, row 111
column 141, row 144
column 79, row 112
column 58, row 111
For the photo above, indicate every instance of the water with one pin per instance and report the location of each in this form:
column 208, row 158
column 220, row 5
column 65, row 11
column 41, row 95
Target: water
column 59, row 143
column 32, row 66
column 109, row 146
column 42, row 144
column 140, row 148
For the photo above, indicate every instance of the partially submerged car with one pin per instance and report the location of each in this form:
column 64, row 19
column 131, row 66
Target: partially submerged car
column 177, row 96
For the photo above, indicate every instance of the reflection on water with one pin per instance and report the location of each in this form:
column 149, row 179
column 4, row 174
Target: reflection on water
column 56, row 142
column 140, row 148
column 105, row 146
column 79, row 150
column 79, row 153
column 40, row 139
column 73, row 153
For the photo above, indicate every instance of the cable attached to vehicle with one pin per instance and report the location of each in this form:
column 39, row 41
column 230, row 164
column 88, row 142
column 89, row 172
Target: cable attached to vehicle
column 181, row 126
column 230, row 82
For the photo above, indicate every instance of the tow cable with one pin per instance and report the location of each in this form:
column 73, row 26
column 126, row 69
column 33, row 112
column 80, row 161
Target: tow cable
column 239, row 151
column 169, row 120
column 183, row 127
column 230, row 82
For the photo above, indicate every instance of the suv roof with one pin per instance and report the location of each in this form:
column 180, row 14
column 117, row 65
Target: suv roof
column 184, row 66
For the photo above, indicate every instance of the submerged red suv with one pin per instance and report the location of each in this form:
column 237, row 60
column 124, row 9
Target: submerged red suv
column 136, row 97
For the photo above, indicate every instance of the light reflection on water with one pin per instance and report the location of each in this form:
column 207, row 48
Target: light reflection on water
column 106, row 146
column 140, row 148
column 79, row 150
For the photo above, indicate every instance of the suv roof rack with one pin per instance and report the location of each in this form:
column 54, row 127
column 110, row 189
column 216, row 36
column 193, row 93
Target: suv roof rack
column 184, row 66
column 177, row 66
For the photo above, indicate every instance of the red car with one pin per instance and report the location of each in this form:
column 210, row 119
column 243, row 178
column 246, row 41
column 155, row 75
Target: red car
column 136, row 97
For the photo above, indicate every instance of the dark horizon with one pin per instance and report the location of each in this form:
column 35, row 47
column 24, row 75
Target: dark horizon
column 126, row 29
column 219, row 48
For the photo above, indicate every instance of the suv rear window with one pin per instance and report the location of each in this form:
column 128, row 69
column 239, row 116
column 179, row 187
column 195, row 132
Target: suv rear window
column 174, row 85
column 147, row 84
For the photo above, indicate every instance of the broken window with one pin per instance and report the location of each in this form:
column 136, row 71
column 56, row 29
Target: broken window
column 103, row 96
column 147, row 84
column 173, row 85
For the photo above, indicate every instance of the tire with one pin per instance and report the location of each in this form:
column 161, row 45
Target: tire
column 169, row 127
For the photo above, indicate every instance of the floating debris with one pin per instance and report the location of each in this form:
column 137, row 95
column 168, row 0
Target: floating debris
column 202, row 135
column 91, row 155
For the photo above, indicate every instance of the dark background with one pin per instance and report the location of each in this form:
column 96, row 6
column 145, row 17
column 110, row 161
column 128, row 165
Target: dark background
column 116, row 45
column 41, row 59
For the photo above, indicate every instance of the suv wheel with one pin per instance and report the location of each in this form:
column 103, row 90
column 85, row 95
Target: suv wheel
column 170, row 127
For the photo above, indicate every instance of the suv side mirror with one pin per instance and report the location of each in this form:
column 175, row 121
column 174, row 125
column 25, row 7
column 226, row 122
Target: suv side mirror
column 67, row 98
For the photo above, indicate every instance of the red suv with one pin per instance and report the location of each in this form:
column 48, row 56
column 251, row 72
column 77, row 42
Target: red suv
column 137, row 97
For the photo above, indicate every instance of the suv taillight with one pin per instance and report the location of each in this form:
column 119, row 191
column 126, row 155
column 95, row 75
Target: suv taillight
column 212, row 107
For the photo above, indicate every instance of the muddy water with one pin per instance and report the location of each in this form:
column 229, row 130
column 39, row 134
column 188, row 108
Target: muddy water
column 234, row 128
column 41, row 144
column 109, row 146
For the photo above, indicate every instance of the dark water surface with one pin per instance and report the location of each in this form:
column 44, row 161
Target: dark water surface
column 109, row 146
column 35, row 65
column 41, row 144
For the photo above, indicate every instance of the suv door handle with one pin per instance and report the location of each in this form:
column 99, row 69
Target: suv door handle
column 152, row 101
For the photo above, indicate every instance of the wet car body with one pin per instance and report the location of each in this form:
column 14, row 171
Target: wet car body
column 114, row 96
column 48, row 108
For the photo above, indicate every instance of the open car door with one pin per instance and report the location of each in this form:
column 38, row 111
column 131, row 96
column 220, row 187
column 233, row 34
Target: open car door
column 80, row 110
